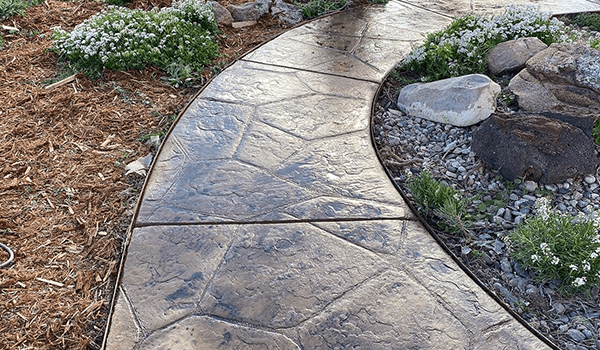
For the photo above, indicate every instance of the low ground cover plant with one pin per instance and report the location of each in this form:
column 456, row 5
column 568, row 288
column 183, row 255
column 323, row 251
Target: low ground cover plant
column 461, row 47
column 316, row 8
column 559, row 247
column 441, row 201
column 14, row 7
column 120, row 39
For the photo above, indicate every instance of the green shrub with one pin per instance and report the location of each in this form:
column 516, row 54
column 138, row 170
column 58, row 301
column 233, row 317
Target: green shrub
column 120, row 39
column 440, row 201
column 591, row 20
column 317, row 8
column 559, row 247
column 461, row 48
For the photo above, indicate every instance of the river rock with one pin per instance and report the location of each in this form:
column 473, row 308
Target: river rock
column 222, row 16
column 248, row 12
column 511, row 56
column 460, row 101
column 564, row 78
column 535, row 147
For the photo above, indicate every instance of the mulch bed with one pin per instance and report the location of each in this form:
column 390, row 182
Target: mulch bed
column 65, row 204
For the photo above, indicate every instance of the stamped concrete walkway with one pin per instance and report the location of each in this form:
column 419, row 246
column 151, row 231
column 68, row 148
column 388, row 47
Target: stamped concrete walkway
column 268, row 222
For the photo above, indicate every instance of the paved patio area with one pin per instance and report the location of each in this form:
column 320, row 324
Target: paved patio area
column 268, row 222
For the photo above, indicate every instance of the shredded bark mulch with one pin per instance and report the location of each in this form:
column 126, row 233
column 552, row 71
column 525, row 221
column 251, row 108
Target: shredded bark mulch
column 65, row 203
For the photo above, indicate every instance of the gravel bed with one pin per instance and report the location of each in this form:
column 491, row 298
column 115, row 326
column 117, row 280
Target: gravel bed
column 408, row 145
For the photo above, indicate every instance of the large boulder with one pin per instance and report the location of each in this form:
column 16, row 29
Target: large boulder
column 248, row 12
column 511, row 56
column 287, row 13
column 563, row 78
column 460, row 101
column 222, row 16
column 264, row 6
column 534, row 146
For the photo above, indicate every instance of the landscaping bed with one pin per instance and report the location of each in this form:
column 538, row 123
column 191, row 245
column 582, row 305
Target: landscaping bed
column 487, row 219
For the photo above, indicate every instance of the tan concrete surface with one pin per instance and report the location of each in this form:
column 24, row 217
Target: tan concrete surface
column 268, row 222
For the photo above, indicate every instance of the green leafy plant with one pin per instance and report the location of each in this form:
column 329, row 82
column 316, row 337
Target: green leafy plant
column 179, row 74
column 317, row 8
column 590, row 20
column 118, row 2
column 121, row 39
column 461, row 47
column 559, row 247
column 11, row 7
column 440, row 201
column 596, row 132
column 15, row 7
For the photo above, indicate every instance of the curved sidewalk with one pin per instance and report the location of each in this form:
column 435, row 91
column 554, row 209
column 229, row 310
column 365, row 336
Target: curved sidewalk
column 268, row 222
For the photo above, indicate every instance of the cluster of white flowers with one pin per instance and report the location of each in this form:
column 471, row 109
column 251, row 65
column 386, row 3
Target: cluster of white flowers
column 516, row 22
column 579, row 281
column 543, row 208
column 120, row 38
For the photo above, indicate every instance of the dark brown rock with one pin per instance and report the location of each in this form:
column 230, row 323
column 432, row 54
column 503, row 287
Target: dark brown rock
column 535, row 147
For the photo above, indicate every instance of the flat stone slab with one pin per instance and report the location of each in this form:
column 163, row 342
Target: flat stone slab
column 463, row 7
column 268, row 221
column 366, row 284
column 359, row 43
column 276, row 144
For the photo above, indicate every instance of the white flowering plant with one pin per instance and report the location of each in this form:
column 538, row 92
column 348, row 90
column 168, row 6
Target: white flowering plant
column 461, row 48
column 436, row 199
column 119, row 38
column 559, row 247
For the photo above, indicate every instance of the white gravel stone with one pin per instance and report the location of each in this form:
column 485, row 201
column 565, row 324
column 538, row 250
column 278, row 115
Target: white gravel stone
column 590, row 179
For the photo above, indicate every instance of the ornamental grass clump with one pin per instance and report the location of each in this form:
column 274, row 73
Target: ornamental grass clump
column 120, row 38
column 440, row 201
column 315, row 8
column 461, row 48
column 559, row 247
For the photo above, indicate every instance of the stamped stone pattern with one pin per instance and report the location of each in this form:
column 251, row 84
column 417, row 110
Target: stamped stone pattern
column 267, row 221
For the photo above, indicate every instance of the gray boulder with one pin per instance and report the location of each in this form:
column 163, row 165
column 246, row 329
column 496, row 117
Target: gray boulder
column 511, row 56
column 287, row 13
column 264, row 6
column 248, row 12
column 222, row 16
column 563, row 78
column 460, row 101
column 535, row 147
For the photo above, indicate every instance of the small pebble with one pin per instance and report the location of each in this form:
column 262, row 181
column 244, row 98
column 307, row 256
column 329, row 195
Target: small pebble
column 576, row 335
column 588, row 334
column 590, row 179
column 530, row 185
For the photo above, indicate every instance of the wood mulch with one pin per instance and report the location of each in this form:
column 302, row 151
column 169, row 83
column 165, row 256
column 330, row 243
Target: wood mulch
column 65, row 204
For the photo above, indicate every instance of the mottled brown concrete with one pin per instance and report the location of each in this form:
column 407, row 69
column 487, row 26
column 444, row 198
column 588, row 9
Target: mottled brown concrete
column 268, row 223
